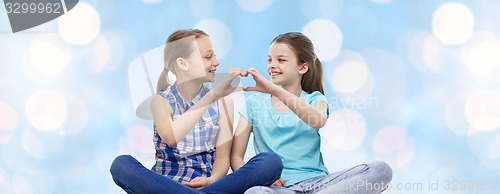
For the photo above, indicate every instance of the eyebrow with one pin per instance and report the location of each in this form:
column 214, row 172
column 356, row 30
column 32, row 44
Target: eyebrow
column 278, row 56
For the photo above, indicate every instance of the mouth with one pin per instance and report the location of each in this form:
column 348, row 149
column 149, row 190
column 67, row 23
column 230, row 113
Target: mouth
column 212, row 71
column 274, row 73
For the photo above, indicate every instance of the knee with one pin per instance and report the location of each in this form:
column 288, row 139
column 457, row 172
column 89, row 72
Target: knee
column 272, row 160
column 118, row 164
column 383, row 170
column 259, row 190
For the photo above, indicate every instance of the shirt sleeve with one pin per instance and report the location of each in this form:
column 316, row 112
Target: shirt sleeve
column 246, row 110
column 316, row 97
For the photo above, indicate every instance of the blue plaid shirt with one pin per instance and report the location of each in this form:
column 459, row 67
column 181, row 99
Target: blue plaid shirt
column 194, row 155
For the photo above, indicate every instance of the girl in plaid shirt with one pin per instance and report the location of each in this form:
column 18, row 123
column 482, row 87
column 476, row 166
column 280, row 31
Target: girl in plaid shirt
column 193, row 129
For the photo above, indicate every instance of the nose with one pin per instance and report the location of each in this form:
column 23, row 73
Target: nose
column 215, row 62
column 271, row 65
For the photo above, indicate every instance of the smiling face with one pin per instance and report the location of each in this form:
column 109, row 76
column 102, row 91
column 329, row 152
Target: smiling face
column 204, row 63
column 283, row 65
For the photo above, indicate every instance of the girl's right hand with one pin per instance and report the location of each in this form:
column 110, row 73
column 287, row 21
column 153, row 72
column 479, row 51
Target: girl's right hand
column 279, row 183
column 224, row 88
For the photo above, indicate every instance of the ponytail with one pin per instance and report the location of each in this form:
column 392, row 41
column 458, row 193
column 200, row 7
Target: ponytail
column 313, row 78
column 163, row 81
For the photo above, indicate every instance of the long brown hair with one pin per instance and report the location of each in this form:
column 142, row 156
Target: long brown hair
column 174, row 48
column 303, row 48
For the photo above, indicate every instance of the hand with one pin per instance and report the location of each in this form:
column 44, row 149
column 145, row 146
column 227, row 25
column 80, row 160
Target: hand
column 261, row 83
column 279, row 183
column 224, row 88
column 198, row 182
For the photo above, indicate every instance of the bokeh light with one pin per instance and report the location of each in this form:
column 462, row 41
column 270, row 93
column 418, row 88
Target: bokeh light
column 77, row 116
column 345, row 129
column 350, row 76
column 8, row 122
column 389, row 139
column 454, row 115
column 352, row 89
column 47, row 59
column 482, row 110
column 453, row 23
column 254, row 6
column 432, row 54
column 483, row 58
column 81, row 25
column 326, row 37
column 219, row 33
column 480, row 55
column 138, row 140
column 46, row 110
column 102, row 54
column 33, row 145
column 405, row 153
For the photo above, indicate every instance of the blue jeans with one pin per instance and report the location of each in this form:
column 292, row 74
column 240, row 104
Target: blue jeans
column 362, row 179
column 128, row 173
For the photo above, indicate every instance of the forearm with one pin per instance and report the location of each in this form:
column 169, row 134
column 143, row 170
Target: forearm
column 219, row 169
column 183, row 125
column 174, row 131
column 303, row 110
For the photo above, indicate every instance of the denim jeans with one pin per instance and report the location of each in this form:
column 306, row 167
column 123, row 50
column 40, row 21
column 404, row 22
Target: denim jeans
column 128, row 173
column 364, row 178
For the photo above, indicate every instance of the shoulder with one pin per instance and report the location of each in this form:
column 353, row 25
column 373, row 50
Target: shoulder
column 315, row 97
column 158, row 101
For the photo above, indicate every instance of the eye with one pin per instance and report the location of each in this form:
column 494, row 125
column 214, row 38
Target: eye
column 281, row 60
column 269, row 60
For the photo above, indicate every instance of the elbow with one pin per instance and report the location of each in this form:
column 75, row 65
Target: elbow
column 236, row 163
column 320, row 124
column 171, row 143
column 169, row 140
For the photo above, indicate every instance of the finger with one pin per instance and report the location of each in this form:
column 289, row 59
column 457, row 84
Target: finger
column 236, row 71
column 194, row 184
column 237, row 68
column 283, row 182
column 250, row 89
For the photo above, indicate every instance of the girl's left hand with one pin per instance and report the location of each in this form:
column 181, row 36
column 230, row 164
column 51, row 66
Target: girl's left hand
column 197, row 183
column 261, row 83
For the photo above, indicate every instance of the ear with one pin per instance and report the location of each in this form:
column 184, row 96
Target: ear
column 303, row 68
column 182, row 63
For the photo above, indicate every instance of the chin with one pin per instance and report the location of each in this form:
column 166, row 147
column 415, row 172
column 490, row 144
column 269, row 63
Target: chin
column 274, row 81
